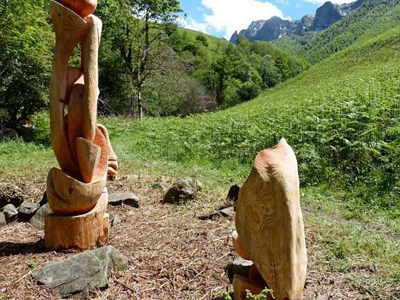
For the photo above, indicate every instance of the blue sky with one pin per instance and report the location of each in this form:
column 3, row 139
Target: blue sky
column 222, row 17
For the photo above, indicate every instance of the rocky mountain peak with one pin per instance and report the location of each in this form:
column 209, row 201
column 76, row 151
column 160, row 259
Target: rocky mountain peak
column 275, row 27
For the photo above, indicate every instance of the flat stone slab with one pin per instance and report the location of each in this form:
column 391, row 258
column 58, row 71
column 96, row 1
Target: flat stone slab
column 82, row 272
column 126, row 198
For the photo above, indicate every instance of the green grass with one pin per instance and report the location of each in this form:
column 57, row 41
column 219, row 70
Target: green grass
column 340, row 118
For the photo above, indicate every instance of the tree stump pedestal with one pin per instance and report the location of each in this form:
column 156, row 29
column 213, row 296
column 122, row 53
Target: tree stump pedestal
column 80, row 232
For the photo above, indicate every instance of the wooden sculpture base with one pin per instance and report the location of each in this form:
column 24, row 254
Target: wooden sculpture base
column 78, row 233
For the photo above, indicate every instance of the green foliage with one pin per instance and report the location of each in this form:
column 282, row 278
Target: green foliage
column 135, row 50
column 263, row 296
column 202, row 39
column 241, row 71
column 340, row 117
column 25, row 60
column 372, row 18
column 224, row 295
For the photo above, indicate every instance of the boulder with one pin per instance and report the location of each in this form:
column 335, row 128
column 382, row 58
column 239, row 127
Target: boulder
column 27, row 210
column 182, row 191
column 37, row 220
column 240, row 267
column 123, row 198
column 82, row 272
column 10, row 194
column 3, row 220
column 10, row 213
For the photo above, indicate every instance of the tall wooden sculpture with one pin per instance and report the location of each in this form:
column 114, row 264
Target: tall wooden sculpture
column 77, row 193
column 270, row 229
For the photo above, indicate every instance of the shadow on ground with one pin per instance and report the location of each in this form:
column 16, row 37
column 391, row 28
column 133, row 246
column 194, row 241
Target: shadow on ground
column 9, row 248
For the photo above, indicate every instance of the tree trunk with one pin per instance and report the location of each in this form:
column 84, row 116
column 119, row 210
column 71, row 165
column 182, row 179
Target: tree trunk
column 140, row 106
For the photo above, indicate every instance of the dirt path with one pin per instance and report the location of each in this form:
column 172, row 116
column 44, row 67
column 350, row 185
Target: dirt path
column 172, row 254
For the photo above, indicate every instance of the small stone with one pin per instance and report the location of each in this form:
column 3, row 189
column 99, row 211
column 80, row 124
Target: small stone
column 239, row 266
column 227, row 212
column 160, row 186
column 114, row 220
column 10, row 194
column 10, row 213
column 37, row 220
column 130, row 178
column 27, row 210
column 123, row 198
column 82, row 272
column 3, row 220
column 182, row 191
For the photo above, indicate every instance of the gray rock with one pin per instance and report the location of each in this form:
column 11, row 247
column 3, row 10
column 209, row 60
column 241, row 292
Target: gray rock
column 123, row 198
column 27, row 210
column 10, row 212
column 37, row 220
column 227, row 212
column 239, row 266
column 3, row 220
column 182, row 191
column 114, row 220
column 82, row 272
column 160, row 186
column 10, row 194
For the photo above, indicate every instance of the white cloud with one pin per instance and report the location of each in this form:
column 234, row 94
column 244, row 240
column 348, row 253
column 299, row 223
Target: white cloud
column 333, row 1
column 230, row 15
column 191, row 23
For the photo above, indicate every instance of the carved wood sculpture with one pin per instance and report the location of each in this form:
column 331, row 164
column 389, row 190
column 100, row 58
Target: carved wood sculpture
column 77, row 193
column 270, row 229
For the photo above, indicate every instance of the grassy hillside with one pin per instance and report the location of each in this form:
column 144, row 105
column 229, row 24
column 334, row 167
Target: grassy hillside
column 214, row 43
column 339, row 115
column 371, row 19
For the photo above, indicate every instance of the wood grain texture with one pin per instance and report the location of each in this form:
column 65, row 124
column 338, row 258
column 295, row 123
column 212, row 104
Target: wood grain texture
column 81, row 232
column 68, row 196
column 90, row 57
column 270, row 224
column 70, row 29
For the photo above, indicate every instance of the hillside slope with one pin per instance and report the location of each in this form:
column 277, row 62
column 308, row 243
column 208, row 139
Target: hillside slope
column 371, row 19
column 339, row 116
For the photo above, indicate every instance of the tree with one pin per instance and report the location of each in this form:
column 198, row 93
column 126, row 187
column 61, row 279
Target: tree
column 26, row 41
column 138, row 30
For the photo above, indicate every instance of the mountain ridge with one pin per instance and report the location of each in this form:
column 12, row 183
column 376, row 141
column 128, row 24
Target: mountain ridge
column 275, row 27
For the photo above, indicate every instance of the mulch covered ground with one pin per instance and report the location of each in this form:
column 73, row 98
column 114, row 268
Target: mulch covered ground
column 172, row 254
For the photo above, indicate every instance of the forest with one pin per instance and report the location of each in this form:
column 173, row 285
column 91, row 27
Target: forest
column 148, row 66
